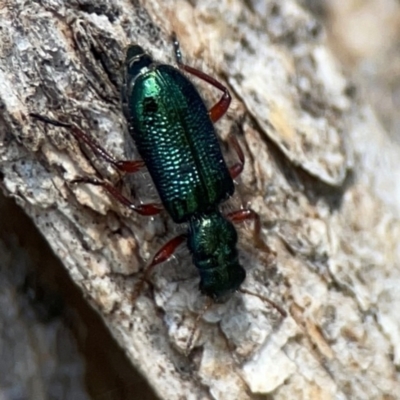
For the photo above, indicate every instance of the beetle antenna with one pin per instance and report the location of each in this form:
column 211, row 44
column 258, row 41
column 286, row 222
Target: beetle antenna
column 267, row 300
column 196, row 324
column 49, row 120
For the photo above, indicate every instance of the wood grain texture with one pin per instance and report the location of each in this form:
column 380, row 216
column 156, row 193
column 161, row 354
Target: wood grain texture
column 320, row 170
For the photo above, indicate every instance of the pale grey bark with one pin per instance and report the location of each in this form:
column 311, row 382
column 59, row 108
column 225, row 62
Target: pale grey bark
column 320, row 171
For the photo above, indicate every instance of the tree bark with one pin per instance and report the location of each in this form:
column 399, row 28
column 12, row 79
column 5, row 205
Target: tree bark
column 320, row 171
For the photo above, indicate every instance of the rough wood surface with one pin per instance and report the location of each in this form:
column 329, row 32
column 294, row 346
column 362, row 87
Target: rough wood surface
column 320, row 170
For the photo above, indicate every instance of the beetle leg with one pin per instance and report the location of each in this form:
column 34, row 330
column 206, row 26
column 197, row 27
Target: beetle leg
column 82, row 137
column 236, row 169
column 244, row 215
column 218, row 109
column 249, row 214
column 161, row 256
column 142, row 209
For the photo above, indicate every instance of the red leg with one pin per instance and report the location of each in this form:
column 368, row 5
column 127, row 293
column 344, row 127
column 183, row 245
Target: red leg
column 161, row 256
column 244, row 215
column 142, row 209
column 248, row 214
column 217, row 110
column 82, row 137
column 167, row 250
column 236, row 169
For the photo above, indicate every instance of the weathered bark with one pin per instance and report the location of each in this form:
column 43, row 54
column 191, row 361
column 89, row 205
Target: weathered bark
column 319, row 170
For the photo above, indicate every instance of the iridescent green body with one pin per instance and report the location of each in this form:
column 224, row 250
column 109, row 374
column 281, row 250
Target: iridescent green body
column 175, row 136
column 212, row 241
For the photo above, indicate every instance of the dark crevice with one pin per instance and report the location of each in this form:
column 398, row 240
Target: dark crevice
column 52, row 294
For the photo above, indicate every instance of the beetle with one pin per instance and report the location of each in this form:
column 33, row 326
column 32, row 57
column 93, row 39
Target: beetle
column 175, row 136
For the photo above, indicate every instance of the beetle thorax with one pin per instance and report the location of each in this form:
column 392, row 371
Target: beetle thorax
column 212, row 241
